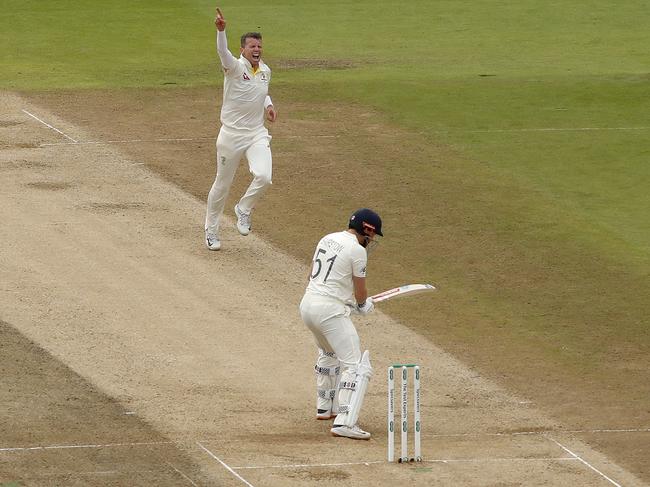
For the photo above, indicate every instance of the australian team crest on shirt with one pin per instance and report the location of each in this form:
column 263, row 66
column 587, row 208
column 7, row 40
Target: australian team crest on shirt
column 264, row 77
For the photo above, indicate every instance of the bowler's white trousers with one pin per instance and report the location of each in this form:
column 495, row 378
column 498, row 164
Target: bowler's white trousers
column 232, row 145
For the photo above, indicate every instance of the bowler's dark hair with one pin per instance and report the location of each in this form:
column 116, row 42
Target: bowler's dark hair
column 253, row 35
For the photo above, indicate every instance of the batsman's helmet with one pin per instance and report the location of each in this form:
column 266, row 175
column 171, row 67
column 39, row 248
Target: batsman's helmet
column 365, row 219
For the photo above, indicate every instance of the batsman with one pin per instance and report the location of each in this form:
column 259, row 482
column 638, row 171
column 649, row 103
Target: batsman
column 337, row 288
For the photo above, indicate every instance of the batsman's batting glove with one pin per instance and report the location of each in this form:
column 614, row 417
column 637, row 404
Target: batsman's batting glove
column 366, row 307
column 354, row 310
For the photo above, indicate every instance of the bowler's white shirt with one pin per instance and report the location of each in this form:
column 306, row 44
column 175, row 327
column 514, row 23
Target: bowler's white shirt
column 244, row 92
column 338, row 258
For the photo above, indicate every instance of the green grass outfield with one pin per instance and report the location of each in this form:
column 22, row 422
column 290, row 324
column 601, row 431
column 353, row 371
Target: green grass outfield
column 498, row 80
column 544, row 104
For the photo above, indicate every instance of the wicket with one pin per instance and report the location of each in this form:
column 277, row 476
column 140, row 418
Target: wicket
column 404, row 413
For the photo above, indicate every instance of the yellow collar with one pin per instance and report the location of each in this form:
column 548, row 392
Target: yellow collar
column 248, row 63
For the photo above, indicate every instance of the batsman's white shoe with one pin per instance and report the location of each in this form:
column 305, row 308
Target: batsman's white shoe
column 243, row 221
column 324, row 414
column 212, row 241
column 353, row 432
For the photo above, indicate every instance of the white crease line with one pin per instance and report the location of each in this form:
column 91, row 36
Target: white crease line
column 631, row 430
column 526, row 433
column 225, row 465
column 311, row 136
column 543, row 432
column 170, row 139
column 194, row 139
column 67, row 447
column 127, row 141
column 308, row 465
column 514, row 459
column 182, row 474
column 584, row 462
column 50, row 126
column 441, row 460
column 77, row 474
column 548, row 129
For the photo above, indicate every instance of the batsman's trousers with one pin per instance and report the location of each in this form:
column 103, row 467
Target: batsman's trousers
column 329, row 321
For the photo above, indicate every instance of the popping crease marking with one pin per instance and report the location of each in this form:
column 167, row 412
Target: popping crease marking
column 543, row 432
column 577, row 457
column 439, row 460
column 182, row 474
column 226, row 466
column 547, row 129
column 67, row 447
column 308, row 465
column 167, row 139
column 50, row 126
column 127, row 141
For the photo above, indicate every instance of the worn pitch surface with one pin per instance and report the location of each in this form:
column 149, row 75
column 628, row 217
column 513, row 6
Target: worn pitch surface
column 133, row 356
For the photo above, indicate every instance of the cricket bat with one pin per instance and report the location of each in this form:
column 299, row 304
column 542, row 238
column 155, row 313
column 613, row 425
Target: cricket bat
column 405, row 290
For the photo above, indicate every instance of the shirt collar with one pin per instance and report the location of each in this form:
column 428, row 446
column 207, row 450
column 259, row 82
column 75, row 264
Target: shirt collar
column 351, row 236
column 248, row 63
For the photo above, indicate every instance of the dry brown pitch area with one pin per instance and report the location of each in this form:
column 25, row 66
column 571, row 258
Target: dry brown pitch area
column 133, row 356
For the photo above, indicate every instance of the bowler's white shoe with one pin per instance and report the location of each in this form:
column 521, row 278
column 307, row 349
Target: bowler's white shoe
column 212, row 241
column 243, row 221
column 353, row 432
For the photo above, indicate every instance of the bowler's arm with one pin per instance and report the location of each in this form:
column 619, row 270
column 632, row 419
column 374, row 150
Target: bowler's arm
column 269, row 109
column 227, row 59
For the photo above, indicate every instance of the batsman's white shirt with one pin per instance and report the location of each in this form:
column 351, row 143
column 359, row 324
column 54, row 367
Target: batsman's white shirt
column 338, row 258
